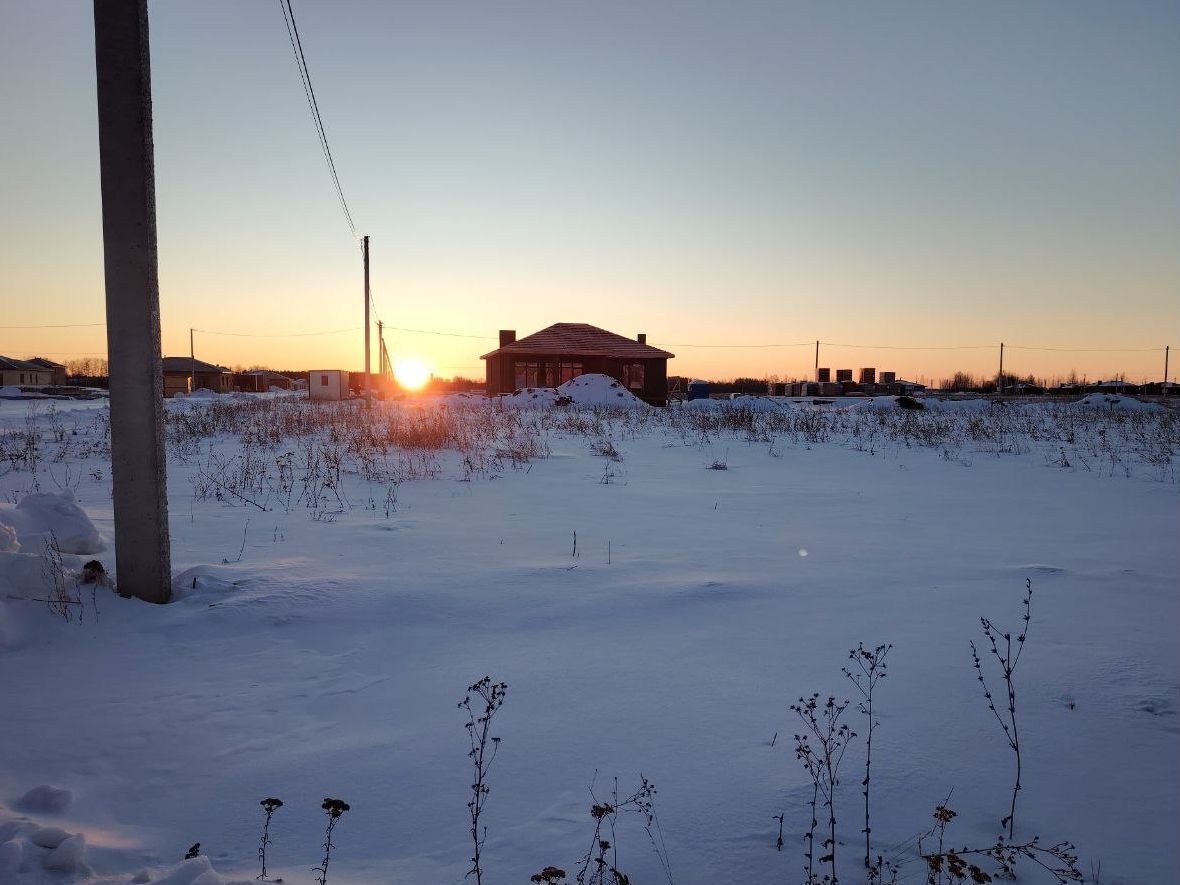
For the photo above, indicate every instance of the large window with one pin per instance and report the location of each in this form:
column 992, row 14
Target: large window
column 526, row 374
column 633, row 376
column 538, row 374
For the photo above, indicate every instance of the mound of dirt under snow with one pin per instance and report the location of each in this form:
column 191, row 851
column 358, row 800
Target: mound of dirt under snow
column 585, row 390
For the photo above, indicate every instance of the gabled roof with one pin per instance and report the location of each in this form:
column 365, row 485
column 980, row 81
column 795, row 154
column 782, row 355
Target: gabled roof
column 7, row 362
column 268, row 373
column 44, row 363
column 185, row 364
column 580, row 339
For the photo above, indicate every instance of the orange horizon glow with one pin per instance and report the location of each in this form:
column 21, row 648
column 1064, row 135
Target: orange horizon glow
column 411, row 372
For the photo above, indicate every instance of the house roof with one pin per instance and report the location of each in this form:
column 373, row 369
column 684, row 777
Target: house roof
column 44, row 363
column 186, row 364
column 267, row 373
column 7, row 362
column 580, row 339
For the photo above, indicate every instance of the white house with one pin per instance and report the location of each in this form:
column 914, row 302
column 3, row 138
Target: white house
column 20, row 373
column 327, row 384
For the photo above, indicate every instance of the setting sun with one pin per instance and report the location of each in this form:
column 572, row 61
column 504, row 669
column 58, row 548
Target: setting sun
column 411, row 373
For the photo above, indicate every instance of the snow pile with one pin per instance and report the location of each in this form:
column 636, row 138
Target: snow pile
column 743, row 403
column 1112, row 402
column 10, row 391
column 199, row 393
column 32, row 853
column 39, row 516
column 530, row 396
column 464, row 396
column 599, row 390
column 45, row 799
column 585, row 390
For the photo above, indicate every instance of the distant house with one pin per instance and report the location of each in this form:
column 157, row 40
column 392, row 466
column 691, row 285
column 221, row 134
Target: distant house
column 327, row 384
column 1114, row 386
column 179, row 370
column 59, row 371
column 563, row 351
column 260, row 381
column 1160, row 388
column 23, row 373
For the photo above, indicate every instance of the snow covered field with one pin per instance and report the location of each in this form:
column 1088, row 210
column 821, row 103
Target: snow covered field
column 655, row 586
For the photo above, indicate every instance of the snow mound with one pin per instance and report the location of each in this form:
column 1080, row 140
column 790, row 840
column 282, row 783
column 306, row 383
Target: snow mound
column 585, row 390
column 599, row 390
column 68, row 856
column 195, row 871
column 530, row 396
column 10, row 391
column 199, row 393
column 48, row 837
column 754, row 404
column 1112, row 402
column 743, row 403
column 45, row 799
column 40, row 515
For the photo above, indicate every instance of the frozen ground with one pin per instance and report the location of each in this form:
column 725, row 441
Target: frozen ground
column 318, row 648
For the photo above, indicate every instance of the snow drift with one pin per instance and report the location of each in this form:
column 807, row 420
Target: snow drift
column 42, row 516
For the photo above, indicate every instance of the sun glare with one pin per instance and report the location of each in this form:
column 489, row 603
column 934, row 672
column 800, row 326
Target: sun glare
column 411, row 373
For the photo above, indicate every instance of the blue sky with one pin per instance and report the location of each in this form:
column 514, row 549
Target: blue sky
column 744, row 172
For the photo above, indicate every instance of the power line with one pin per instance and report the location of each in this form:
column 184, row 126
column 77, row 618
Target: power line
column 278, row 334
column 675, row 344
column 58, row 326
column 313, row 105
column 445, row 334
column 1089, row 349
column 916, row 347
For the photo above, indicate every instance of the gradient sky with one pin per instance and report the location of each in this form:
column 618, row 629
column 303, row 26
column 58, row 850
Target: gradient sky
column 905, row 174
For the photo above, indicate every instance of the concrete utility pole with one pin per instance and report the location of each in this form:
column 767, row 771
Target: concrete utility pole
column 1000, row 377
column 380, row 351
column 817, row 361
column 368, row 392
column 142, row 558
column 192, row 363
column 1167, row 351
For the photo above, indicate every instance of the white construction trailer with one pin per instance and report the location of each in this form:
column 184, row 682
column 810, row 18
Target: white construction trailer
column 328, row 384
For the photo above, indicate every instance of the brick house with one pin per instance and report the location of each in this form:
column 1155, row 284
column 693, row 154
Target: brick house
column 556, row 354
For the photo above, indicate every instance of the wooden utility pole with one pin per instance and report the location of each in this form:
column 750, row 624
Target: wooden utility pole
column 1167, row 349
column 1000, row 377
column 817, row 361
column 192, row 363
column 368, row 392
column 126, row 167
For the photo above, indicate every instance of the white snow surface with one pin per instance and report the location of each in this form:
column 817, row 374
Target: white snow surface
column 648, row 614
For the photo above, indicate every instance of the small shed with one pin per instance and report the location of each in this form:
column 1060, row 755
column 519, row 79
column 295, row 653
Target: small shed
column 327, row 384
